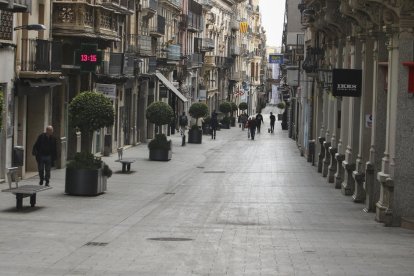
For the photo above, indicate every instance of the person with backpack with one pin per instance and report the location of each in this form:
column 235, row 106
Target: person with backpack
column 183, row 121
column 251, row 124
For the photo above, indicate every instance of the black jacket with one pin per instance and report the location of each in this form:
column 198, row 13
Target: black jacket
column 45, row 146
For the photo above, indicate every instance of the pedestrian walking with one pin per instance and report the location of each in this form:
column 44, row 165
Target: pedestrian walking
column 243, row 120
column 183, row 122
column 213, row 124
column 44, row 150
column 259, row 121
column 272, row 122
column 252, row 124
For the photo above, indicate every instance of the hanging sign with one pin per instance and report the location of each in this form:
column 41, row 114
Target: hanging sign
column 346, row 82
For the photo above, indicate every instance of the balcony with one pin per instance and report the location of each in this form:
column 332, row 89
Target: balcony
column 193, row 22
column 149, row 8
column 209, row 61
column 16, row 5
column 221, row 61
column 235, row 51
column 207, row 4
column 207, row 44
column 38, row 55
column 79, row 19
column 157, row 26
column 235, row 25
column 140, row 44
column 195, row 60
column 235, row 76
column 121, row 6
column 174, row 52
column 175, row 4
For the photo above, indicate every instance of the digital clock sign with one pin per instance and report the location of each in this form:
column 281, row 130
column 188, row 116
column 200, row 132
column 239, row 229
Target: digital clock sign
column 88, row 57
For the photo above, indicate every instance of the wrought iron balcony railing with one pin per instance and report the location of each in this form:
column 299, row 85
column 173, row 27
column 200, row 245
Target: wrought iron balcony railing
column 41, row 55
column 140, row 44
column 157, row 26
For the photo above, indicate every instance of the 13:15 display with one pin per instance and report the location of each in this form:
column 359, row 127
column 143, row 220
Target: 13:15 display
column 88, row 58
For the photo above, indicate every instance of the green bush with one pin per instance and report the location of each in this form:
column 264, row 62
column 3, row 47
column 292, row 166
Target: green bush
column 225, row 107
column 281, row 105
column 91, row 111
column 226, row 120
column 198, row 110
column 159, row 142
column 243, row 106
column 233, row 107
column 85, row 160
column 159, row 113
column 1, row 108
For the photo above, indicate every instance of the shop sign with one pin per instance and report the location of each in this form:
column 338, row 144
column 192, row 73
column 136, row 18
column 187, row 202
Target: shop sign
column 109, row 90
column 346, row 82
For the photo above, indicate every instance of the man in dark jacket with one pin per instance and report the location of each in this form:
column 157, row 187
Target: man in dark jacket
column 213, row 124
column 45, row 151
column 259, row 121
column 272, row 122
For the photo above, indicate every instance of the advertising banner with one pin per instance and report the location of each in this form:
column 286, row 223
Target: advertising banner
column 346, row 82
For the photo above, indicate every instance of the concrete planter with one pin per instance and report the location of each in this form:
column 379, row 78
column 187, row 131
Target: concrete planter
column 160, row 155
column 83, row 182
column 195, row 136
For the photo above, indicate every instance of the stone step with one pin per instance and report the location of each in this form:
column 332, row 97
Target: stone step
column 407, row 223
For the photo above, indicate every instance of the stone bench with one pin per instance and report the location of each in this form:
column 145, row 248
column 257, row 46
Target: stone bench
column 23, row 190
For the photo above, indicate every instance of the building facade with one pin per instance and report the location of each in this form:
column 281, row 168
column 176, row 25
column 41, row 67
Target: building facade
column 360, row 125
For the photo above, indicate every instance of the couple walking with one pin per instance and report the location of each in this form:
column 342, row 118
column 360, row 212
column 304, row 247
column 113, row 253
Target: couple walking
column 254, row 123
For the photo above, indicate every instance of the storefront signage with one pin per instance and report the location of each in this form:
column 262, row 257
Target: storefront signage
column 276, row 59
column 109, row 90
column 346, row 82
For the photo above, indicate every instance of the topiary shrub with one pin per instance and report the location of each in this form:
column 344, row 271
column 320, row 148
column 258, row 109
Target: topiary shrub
column 159, row 142
column 159, row 113
column 90, row 111
column 281, row 105
column 225, row 107
column 1, row 109
column 243, row 106
column 198, row 110
column 233, row 107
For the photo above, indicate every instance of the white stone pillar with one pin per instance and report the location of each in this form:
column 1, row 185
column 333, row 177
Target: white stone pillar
column 353, row 128
column 384, row 205
column 366, row 110
column 379, row 102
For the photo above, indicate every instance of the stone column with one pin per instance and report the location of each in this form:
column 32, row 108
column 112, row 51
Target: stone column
column 379, row 110
column 384, row 206
column 403, row 173
column 344, row 102
column 353, row 128
column 366, row 109
column 327, row 142
column 333, row 149
column 321, row 138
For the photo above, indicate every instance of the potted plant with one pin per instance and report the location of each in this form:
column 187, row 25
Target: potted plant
column 197, row 110
column 159, row 113
column 233, row 109
column 86, row 175
column 206, row 125
column 225, row 107
column 280, row 105
column 243, row 106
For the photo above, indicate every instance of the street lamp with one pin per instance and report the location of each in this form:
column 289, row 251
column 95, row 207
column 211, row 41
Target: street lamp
column 31, row 27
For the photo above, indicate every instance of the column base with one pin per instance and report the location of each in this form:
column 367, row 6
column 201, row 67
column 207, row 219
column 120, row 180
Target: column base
column 327, row 159
column 384, row 207
column 370, row 198
column 321, row 155
column 339, row 175
column 332, row 166
column 347, row 187
column 359, row 192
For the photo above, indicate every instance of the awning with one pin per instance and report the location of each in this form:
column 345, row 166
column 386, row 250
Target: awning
column 170, row 86
column 43, row 83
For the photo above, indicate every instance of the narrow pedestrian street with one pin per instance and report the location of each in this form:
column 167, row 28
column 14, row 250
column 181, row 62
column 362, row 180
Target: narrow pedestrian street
column 229, row 206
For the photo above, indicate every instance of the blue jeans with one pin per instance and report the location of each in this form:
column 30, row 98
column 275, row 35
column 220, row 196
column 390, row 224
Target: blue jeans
column 43, row 165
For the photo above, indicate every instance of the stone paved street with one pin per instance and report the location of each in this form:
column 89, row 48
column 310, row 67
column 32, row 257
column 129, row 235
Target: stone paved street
column 227, row 207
